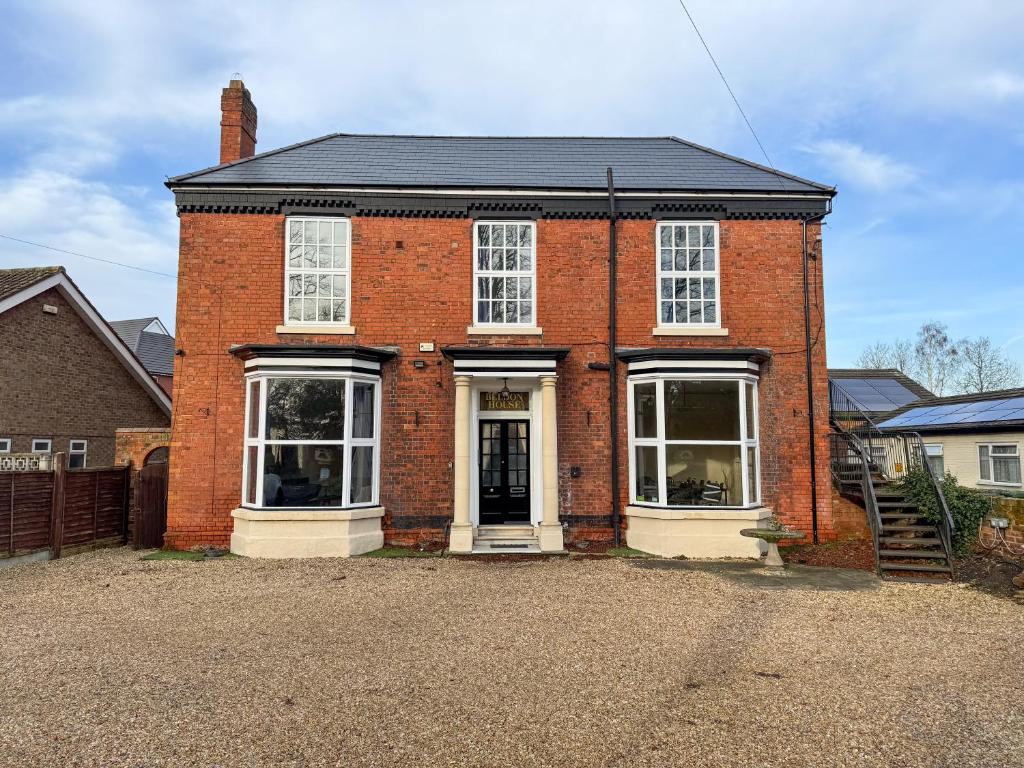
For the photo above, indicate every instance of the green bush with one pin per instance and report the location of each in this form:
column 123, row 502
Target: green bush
column 967, row 506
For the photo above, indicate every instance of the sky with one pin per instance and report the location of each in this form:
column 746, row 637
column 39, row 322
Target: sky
column 912, row 109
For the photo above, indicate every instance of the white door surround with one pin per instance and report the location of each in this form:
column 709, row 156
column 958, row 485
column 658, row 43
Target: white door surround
column 486, row 370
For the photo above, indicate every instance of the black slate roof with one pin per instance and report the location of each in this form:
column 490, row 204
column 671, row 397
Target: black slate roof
column 156, row 353
column 640, row 164
column 154, row 350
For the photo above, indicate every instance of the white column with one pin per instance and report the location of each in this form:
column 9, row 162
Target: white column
column 550, row 534
column 461, row 537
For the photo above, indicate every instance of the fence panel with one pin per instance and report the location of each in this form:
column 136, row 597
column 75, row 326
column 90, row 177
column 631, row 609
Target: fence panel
column 25, row 499
column 94, row 506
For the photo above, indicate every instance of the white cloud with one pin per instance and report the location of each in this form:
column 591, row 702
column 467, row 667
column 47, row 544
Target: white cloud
column 1001, row 85
column 852, row 162
column 124, row 225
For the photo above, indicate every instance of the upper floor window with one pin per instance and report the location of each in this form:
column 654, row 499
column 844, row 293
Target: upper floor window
column 688, row 291
column 5, row 445
column 317, row 281
column 41, row 445
column 504, row 273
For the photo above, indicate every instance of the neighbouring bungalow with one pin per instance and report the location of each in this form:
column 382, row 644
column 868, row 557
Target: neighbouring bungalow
column 976, row 437
column 67, row 380
column 495, row 344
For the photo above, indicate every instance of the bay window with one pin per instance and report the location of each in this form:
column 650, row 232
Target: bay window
column 311, row 440
column 694, row 441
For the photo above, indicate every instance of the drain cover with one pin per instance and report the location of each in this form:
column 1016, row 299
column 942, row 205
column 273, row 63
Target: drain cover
column 509, row 546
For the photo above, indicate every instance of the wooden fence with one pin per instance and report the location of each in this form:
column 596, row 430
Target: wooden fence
column 63, row 508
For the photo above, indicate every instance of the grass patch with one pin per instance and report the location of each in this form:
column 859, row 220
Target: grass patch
column 627, row 552
column 388, row 552
column 173, row 554
column 177, row 554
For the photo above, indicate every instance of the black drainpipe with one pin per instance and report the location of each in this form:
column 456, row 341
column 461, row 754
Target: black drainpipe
column 613, row 387
column 810, row 380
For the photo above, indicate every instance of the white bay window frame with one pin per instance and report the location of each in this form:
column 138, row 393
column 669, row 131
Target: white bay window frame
column 701, row 275
column 491, row 274
column 344, row 271
column 751, row 496
column 261, row 441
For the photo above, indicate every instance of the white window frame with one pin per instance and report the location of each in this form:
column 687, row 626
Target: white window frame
column 49, row 445
column 82, row 450
column 933, row 450
column 750, row 497
column 5, row 445
column 492, row 273
column 700, row 274
column 990, row 480
column 346, row 271
column 347, row 443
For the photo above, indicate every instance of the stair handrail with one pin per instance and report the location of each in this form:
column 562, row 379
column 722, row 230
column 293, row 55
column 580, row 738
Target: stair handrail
column 870, row 500
column 945, row 524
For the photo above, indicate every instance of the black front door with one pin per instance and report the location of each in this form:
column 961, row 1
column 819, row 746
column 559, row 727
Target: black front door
column 504, row 471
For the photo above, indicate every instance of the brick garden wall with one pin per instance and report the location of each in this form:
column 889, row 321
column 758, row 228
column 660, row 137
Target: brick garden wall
column 412, row 283
column 1011, row 509
column 134, row 444
column 59, row 381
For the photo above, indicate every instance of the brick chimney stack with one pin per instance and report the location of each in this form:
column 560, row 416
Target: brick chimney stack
column 237, row 123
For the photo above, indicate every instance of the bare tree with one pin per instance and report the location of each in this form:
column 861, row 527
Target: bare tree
column 899, row 355
column 936, row 358
column 984, row 368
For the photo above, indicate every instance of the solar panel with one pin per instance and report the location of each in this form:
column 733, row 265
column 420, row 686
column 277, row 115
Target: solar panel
column 876, row 394
column 973, row 412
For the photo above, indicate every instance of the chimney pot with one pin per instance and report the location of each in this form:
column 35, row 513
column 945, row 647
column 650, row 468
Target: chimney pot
column 237, row 123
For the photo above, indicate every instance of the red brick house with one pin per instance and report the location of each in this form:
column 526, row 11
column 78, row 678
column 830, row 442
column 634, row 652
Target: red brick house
column 413, row 340
column 67, row 380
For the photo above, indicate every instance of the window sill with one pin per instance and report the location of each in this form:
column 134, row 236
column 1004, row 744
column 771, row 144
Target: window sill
column 662, row 330
column 317, row 329
column 307, row 513
column 511, row 330
column 994, row 484
column 638, row 509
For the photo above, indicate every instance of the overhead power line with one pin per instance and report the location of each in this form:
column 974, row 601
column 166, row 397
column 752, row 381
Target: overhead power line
column 86, row 256
column 728, row 87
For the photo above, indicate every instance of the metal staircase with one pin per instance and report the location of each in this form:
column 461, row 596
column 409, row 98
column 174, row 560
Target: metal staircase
column 867, row 465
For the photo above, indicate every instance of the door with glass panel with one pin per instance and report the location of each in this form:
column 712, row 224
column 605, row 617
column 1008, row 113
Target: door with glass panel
column 504, row 453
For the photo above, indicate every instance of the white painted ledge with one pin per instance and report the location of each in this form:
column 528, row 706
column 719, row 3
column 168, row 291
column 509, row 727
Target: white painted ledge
column 323, row 330
column 669, row 331
column 285, row 533
column 512, row 330
column 696, row 533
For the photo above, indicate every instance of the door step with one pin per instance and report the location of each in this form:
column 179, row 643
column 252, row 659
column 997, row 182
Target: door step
column 506, row 547
column 504, row 532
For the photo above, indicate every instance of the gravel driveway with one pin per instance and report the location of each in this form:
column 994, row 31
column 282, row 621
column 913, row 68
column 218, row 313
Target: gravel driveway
column 109, row 660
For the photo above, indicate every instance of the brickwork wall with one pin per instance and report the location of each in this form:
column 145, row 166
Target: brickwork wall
column 412, row 283
column 1012, row 510
column 134, row 444
column 59, row 381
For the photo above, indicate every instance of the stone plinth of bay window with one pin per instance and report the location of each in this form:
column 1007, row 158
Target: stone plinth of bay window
column 283, row 533
column 695, row 533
